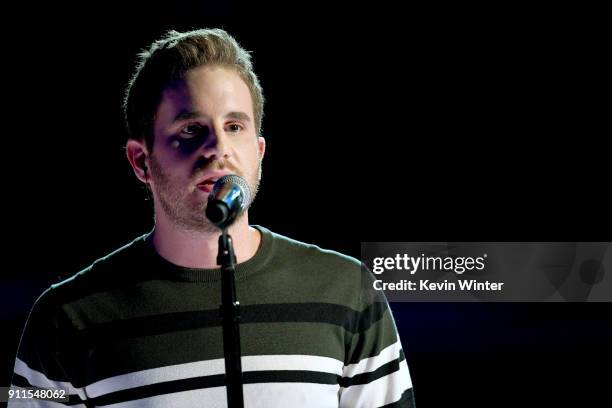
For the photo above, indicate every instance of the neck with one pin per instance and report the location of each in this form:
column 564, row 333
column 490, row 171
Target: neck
column 199, row 249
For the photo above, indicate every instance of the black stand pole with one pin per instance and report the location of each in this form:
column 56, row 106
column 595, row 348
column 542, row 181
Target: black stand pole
column 230, row 313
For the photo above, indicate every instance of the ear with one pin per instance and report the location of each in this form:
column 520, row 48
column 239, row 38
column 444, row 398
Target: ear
column 137, row 155
column 261, row 144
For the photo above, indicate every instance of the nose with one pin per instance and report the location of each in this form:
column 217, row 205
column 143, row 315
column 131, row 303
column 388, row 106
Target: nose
column 217, row 144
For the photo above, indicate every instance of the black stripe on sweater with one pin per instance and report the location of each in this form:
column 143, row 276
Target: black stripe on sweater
column 382, row 371
column 345, row 317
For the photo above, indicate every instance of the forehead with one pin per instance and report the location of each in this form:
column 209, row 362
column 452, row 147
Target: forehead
column 211, row 89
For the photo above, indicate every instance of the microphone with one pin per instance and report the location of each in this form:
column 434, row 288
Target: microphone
column 229, row 197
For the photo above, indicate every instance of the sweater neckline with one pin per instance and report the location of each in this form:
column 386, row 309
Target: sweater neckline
column 170, row 271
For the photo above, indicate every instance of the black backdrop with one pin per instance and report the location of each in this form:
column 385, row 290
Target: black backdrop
column 382, row 124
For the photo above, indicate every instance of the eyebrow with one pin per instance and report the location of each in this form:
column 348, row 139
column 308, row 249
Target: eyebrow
column 187, row 115
column 238, row 116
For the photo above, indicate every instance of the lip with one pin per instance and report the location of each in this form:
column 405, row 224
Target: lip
column 207, row 188
column 207, row 182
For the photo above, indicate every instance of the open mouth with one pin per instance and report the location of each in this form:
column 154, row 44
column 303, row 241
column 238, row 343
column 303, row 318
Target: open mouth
column 207, row 185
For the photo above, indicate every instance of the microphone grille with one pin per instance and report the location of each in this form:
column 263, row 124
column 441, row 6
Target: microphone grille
column 240, row 182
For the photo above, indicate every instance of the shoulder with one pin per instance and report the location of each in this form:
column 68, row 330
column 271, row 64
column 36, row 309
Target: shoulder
column 294, row 250
column 105, row 273
column 312, row 272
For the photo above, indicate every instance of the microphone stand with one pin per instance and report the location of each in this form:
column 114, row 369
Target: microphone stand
column 230, row 313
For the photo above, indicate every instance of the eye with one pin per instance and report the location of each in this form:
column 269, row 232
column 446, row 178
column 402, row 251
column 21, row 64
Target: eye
column 189, row 137
column 235, row 127
column 192, row 130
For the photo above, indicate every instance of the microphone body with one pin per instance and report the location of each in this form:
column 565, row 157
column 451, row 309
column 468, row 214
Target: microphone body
column 229, row 197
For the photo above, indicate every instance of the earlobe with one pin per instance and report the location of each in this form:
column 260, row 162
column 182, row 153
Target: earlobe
column 136, row 153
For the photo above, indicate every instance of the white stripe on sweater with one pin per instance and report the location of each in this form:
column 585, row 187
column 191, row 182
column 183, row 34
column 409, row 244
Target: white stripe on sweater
column 370, row 364
column 38, row 379
column 213, row 367
column 265, row 395
column 384, row 390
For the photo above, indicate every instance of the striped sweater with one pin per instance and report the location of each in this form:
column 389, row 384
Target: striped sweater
column 134, row 330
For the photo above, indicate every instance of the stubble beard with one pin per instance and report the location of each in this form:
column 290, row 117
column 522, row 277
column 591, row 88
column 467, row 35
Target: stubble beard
column 180, row 206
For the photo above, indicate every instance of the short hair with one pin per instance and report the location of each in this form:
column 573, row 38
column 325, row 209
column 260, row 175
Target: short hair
column 168, row 59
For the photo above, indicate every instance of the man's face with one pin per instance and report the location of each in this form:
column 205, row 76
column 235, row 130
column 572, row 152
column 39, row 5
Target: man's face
column 204, row 129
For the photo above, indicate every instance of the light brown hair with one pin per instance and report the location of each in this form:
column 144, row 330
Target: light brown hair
column 168, row 59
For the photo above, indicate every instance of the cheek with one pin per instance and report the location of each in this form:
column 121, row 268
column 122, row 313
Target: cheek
column 173, row 166
column 250, row 159
column 252, row 151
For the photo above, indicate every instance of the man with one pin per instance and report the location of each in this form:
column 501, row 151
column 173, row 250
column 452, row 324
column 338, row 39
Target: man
column 141, row 327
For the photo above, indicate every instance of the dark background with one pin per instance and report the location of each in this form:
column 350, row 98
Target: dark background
column 418, row 124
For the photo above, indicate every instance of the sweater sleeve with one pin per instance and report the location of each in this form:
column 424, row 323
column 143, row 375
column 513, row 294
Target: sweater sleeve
column 375, row 373
column 40, row 363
